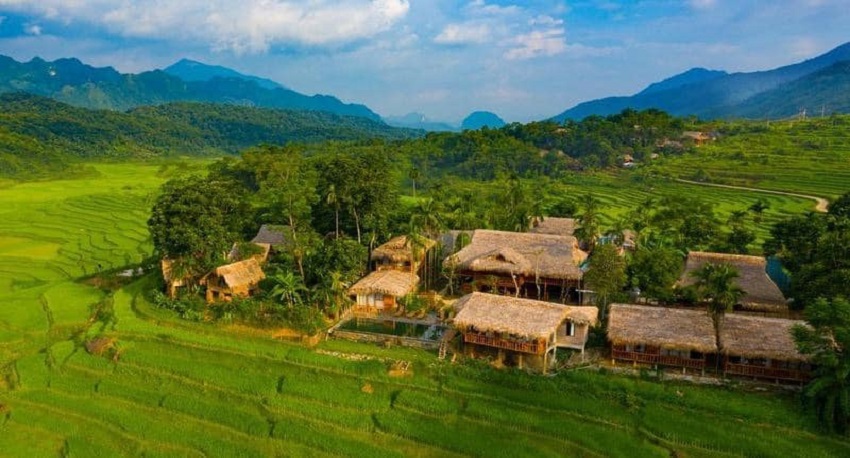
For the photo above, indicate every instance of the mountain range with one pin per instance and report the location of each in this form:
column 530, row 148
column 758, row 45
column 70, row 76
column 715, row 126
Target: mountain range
column 815, row 85
column 78, row 84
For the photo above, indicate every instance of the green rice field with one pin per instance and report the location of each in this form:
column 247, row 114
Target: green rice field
column 809, row 157
column 193, row 389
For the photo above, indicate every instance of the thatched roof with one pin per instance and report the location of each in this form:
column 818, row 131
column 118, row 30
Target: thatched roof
column 554, row 226
column 521, row 317
column 167, row 266
column 273, row 234
column 242, row 273
column 398, row 249
column 529, row 254
column 662, row 327
column 760, row 293
column 260, row 257
column 390, row 282
column 758, row 337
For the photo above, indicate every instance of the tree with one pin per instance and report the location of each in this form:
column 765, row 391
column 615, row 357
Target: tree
column 588, row 221
column 827, row 343
column 287, row 288
column 655, row 270
column 196, row 220
column 841, row 206
column 606, row 275
column 758, row 208
column 716, row 287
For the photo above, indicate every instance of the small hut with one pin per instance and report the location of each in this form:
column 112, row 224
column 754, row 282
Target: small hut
column 530, row 265
column 261, row 255
column 275, row 235
column 521, row 331
column 760, row 292
column 763, row 348
column 660, row 336
column 173, row 281
column 553, row 226
column 239, row 279
column 380, row 290
column 398, row 254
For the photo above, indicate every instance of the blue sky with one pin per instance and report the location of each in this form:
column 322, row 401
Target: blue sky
column 523, row 60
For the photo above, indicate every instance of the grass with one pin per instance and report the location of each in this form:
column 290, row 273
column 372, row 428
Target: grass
column 195, row 389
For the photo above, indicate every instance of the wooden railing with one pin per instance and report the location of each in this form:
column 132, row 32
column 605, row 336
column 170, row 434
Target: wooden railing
column 525, row 347
column 664, row 360
column 766, row 372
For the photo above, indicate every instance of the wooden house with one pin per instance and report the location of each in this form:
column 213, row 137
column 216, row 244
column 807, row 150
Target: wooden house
column 381, row 290
column 518, row 331
column 400, row 254
column 261, row 256
column 762, row 347
column 660, row 336
column 530, row 265
column 760, row 292
column 239, row 279
column 173, row 280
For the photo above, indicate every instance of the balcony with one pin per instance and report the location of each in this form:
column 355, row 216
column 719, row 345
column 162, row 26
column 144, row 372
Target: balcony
column 663, row 360
column 766, row 372
column 507, row 344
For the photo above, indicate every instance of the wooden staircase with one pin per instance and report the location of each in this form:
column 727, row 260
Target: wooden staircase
column 444, row 343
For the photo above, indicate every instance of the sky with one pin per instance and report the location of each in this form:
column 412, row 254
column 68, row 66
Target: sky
column 524, row 60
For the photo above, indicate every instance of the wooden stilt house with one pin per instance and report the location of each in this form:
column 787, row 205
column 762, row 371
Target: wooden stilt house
column 381, row 290
column 239, row 279
column 762, row 347
column 523, row 332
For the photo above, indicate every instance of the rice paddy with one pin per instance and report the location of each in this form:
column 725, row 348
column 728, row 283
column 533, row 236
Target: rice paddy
column 180, row 388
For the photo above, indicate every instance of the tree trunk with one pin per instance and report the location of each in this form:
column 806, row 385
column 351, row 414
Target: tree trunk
column 356, row 223
column 336, row 219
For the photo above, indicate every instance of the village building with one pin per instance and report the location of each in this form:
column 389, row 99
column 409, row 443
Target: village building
column 699, row 138
column 381, row 290
column 173, row 280
column 400, row 254
column 660, row 336
column 760, row 292
column 275, row 235
column 521, row 332
column 261, row 255
column 553, row 226
column 530, row 265
column 762, row 347
column 239, row 279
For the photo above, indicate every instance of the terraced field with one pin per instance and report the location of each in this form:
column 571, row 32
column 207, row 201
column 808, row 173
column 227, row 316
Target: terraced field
column 191, row 389
column 808, row 157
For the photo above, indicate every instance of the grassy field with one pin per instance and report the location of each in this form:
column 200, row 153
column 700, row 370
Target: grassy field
column 192, row 389
column 808, row 157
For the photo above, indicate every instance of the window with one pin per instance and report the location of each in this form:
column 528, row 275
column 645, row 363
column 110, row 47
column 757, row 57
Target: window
column 570, row 329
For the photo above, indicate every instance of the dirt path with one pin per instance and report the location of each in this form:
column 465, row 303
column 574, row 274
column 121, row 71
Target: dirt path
column 821, row 204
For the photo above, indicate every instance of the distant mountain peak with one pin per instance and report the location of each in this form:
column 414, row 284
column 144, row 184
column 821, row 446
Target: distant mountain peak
column 692, row 76
column 192, row 70
column 479, row 119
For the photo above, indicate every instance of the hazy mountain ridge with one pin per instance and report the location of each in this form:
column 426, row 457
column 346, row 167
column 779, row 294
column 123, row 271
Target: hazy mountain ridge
column 709, row 94
column 75, row 83
column 478, row 119
column 191, row 70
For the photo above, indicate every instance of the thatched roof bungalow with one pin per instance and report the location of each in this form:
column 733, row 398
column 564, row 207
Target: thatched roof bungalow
column 553, row 226
column 262, row 256
column 381, row 289
column 239, row 279
column 522, row 326
column 760, row 292
column 762, row 347
column 507, row 261
column 660, row 335
column 398, row 254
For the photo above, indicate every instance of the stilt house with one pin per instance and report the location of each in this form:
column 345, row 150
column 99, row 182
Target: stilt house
column 239, row 279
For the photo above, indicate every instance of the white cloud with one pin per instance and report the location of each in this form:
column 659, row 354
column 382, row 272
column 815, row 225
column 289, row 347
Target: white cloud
column 464, row 33
column 804, row 47
column 33, row 29
column 537, row 43
column 245, row 26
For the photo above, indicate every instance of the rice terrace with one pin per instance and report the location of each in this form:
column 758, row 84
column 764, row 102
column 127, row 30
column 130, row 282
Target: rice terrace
column 181, row 388
column 272, row 228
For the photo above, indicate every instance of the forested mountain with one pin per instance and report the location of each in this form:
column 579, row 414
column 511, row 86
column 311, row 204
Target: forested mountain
column 190, row 70
column 712, row 94
column 73, row 82
column 479, row 119
column 39, row 135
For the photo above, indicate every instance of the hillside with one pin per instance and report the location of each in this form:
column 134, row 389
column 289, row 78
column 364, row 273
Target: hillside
column 710, row 94
column 40, row 135
column 73, row 82
column 479, row 119
column 190, row 70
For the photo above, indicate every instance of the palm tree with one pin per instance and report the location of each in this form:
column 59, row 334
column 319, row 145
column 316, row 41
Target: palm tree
column 286, row 287
column 716, row 286
column 588, row 221
column 427, row 217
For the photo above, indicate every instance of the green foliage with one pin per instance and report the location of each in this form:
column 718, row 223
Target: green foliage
column 715, row 285
column 606, row 275
column 655, row 271
column 827, row 342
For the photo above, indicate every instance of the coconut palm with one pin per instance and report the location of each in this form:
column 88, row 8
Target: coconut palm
column 287, row 287
column 588, row 221
column 716, row 286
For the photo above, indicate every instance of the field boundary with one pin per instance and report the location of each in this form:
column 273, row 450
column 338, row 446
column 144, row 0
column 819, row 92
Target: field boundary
column 821, row 204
